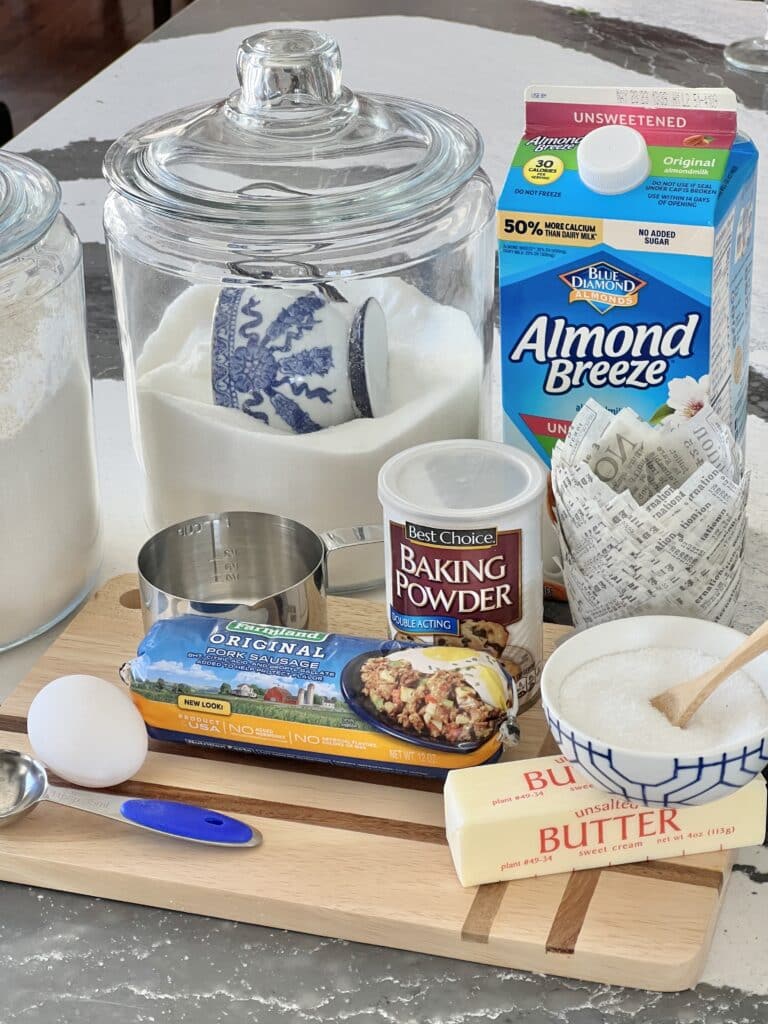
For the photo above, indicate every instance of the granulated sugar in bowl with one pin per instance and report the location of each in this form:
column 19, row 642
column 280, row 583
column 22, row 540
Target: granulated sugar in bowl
column 463, row 551
column 596, row 691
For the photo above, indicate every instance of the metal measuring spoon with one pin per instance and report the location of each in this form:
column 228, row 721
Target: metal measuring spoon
column 24, row 783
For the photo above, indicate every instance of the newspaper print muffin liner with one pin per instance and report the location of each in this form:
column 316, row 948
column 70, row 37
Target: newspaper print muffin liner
column 651, row 520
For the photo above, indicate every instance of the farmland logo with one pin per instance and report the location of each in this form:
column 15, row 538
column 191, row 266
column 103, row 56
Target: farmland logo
column 603, row 286
column 279, row 632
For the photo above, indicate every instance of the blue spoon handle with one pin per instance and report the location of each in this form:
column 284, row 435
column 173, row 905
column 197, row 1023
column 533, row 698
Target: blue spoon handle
column 166, row 817
column 184, row 821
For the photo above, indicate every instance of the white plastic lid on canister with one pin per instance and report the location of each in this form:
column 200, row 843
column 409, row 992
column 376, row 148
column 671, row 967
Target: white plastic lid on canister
column 613, row 159
column 460, row 480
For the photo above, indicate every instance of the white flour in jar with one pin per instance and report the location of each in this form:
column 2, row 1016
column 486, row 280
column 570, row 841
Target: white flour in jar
column 49, row 518
column 199, row 457
column 609, row 700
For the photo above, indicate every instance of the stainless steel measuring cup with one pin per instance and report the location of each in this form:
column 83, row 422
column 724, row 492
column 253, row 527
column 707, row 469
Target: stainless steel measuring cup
column 248, row 565
column 24, row 784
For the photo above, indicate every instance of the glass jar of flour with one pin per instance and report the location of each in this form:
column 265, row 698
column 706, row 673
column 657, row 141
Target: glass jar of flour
column 304, row 283
column 49, row 511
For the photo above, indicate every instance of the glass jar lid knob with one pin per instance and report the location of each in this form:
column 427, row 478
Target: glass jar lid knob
column 287, row 74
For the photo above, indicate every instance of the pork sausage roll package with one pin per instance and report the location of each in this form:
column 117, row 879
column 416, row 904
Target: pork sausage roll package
column 264, row 689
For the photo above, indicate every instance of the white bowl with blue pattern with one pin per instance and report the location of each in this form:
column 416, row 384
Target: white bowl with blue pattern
column 649, row 777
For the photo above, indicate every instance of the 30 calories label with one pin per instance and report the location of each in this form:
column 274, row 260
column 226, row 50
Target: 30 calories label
column 442, row 577
column 543, row 170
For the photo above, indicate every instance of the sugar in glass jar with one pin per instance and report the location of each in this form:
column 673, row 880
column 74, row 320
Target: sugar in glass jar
column 304, row 284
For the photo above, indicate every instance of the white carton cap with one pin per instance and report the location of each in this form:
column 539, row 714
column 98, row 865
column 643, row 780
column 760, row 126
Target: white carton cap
column 613, row 159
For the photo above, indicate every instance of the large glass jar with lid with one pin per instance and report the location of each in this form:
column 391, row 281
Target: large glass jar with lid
column 50, row 526
column 304, row 282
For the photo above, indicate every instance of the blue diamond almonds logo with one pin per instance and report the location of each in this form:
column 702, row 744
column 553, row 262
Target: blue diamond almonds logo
column 603, row 286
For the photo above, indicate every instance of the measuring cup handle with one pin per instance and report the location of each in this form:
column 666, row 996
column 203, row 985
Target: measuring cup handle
column 352, row 536
column 185, row 821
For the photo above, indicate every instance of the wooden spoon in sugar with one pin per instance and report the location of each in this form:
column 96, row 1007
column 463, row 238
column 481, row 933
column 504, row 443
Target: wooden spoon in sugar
column 681, row 702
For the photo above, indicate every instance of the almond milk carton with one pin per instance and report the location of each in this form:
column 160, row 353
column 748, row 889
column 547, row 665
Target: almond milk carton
column 625, row 262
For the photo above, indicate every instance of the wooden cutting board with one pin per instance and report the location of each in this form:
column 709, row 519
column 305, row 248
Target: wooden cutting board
column 349, row 853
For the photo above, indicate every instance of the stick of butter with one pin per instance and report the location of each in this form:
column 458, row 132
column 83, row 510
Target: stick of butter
column 537, row 817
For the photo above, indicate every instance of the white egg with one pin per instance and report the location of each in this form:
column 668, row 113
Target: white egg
column 479, row 669
column 87, row 730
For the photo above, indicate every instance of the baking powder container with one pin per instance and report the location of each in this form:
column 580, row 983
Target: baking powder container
column 462, row 535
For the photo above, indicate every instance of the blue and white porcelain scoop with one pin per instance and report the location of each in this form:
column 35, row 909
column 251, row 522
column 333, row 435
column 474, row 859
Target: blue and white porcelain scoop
column 298, row 358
